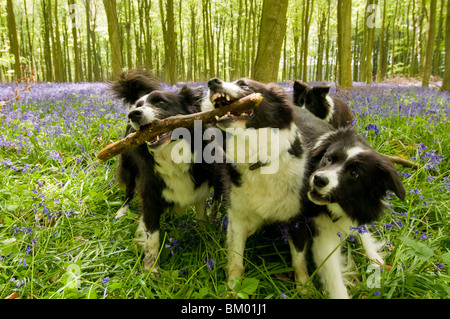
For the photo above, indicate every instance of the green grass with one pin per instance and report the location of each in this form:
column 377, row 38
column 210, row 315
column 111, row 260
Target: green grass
column 57, row 222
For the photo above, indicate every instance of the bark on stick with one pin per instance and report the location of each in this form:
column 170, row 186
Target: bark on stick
column 154, row 129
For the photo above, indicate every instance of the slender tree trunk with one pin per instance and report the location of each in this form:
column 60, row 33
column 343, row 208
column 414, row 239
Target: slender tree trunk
column 57, row 53
column 430, row 42
column 170, row 50
column 271, row 35
column 382, row 49
column 439, row 38
column 319, row 70
column 345, row 43
column 88, row 40
column 446, row 83
column 30, row 41
column 13, row 40
column 46, row 39
column 75, row 43
column 114, row 41
column 412, row 70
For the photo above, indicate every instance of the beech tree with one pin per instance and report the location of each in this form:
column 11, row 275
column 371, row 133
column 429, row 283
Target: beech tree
column 194, row 40
column 271, row 35
column 13, row 40
column 114, row 41
column 344, row 30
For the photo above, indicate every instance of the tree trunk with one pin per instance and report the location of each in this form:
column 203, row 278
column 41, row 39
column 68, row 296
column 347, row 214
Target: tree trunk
column 382, row 49
column 412, row 70
column 76, row 50
column 13, row 40
column 114, row 40
column 319, row 70
column 430, row 43
column 344, row 43
column 271, row 35
column 369, row 27
column 446, row 84
column 170, row 50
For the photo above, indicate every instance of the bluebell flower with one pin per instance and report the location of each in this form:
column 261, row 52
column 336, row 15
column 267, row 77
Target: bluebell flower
column 423, row 236
column 105, row 280
column 284, row 296
column 373, row 127
column 361, row 229
column 284, row 229
column 210, row 264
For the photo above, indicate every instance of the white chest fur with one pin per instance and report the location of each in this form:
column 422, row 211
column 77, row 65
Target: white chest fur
column 265, row 198
column 180, row 188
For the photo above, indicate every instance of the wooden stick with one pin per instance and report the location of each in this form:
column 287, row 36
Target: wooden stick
column 154, row 129
column 402, row 161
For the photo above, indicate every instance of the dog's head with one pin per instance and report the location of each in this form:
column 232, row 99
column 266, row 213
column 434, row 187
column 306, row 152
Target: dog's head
column 274, row 111
column 134, row 84
column 313, row 99
column 159, row 105
column 350, row 173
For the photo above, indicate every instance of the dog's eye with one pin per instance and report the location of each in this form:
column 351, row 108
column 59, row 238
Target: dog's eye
column 139, row 104
column 328, row 159
column 354, row 173
column 242, row 84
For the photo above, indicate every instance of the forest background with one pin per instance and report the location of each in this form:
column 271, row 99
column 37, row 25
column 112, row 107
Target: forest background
column 194, row 40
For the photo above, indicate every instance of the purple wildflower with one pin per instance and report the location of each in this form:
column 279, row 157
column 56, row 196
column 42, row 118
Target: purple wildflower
column 210, row 264
column 284, row 229
column 373, row 127
column 361, row 229
column 105, row 281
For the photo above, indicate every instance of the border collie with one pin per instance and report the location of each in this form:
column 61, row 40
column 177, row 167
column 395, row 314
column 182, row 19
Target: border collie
column 161, row 182
column 265, row 180
column 346, row 191
column 317, row 100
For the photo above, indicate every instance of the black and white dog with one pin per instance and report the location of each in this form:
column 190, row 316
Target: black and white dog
column 318, row 101
column 266, row 178
column 346, row 191
column 163, row 181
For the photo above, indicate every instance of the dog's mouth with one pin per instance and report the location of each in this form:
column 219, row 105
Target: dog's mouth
column 221, row 99
column 318, row 198
column 159, row 140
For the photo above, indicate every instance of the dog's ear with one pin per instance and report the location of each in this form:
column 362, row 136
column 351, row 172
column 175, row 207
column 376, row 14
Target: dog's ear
column 299, row 87
column 390, row 178
column 191, row 97
column 299, row 91
column 134, row 84
column 321, row 90
column 320, row 149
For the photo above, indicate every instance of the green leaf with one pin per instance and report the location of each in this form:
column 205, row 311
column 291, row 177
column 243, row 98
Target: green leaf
column 12, row 208
column 92, row 294
column 8, row 221
column 8, row 246
column 249, row 285
column 424, row 252
column 446, row 258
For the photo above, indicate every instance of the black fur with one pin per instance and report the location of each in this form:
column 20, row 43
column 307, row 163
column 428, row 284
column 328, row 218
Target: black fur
column 314, row 100
column 274, row 111
column 138, row 168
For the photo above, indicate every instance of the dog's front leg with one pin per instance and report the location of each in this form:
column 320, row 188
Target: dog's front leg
column 237, row 234
column 149, row 240
column 371, row 246
column 329, row 272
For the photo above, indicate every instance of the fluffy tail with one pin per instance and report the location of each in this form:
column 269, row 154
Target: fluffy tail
column 134, row 84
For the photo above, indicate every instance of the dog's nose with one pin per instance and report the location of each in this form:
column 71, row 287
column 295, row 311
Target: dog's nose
column 135, row 115
column 213, row 82
column 320, row 181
